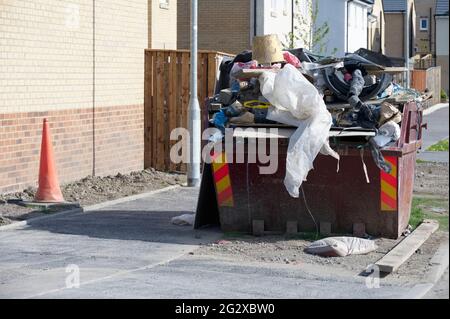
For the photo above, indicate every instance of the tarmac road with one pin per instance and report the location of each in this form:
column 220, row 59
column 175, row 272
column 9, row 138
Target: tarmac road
column 438, row 127
column 131, row 250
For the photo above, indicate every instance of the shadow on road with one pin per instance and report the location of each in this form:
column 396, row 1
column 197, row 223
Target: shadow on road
column 150, row 226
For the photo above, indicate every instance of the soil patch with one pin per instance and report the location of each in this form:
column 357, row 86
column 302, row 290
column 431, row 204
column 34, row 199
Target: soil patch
column 88, row 191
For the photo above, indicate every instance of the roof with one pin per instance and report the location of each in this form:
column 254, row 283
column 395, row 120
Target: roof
column 394, row 5
column 442, row 7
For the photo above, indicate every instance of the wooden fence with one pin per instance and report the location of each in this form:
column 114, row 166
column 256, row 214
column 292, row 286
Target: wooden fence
column 424, row 62
column 428, row 79
column 167, row 97
column 424, row 79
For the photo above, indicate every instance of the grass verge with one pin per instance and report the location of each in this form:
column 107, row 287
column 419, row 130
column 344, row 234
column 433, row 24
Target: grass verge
column 429, row 208
column 441, row 146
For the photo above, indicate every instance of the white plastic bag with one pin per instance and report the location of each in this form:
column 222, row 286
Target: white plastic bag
column 341, row 247
column 387, row 133
column 297, row 102
column 184, row 220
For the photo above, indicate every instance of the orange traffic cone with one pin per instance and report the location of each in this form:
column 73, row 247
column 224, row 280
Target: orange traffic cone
column 49, row 190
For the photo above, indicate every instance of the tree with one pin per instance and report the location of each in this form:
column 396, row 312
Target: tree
column 306, row 29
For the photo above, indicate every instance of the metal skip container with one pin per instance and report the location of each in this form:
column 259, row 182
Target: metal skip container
column 339, row 201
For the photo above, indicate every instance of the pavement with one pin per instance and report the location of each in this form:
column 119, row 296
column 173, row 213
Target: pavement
column 438, row 128
column 440, row 290
column 131, row 250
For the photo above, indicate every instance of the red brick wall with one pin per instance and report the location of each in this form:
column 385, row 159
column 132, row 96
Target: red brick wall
column 119, row 144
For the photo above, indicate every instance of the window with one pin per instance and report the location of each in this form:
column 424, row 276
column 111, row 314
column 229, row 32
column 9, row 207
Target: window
column 423, row 24
column 286, row 7
column 164, row 4
column 273, row 10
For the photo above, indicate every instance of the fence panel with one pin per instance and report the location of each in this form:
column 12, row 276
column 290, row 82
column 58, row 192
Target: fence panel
column 166, row 99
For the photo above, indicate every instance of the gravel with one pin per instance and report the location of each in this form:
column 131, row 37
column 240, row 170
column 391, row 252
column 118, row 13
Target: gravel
column 282, row 250
column 431, row 179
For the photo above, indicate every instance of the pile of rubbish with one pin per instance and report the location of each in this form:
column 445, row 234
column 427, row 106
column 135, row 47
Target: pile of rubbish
column 295, row 88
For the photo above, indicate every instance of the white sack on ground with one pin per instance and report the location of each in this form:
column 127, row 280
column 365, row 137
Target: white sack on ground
column 341, row 247
column 184, row 220
column 297, row 102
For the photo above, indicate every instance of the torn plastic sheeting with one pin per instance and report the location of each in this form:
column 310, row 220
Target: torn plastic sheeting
column 341, row 247
column 297, row 102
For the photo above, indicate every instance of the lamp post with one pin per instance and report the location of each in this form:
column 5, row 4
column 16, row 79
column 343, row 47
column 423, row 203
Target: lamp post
column 193, row 174
column 407, row 44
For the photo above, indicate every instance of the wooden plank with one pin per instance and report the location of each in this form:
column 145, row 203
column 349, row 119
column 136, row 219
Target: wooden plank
column 390, row 70
column 154, row 154
column 403, row 251
column 148, row 84
column 173, row 102
column 166, row 132
column 179, row 98
column 160, row 89
column 185, row 70
column 201, row 78
column 188, row 51
column 212, row 71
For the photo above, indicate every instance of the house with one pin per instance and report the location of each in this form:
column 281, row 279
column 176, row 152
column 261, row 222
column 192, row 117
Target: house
column 348, row 23
column 425, row 27
column 376, row 27
column 441, row 17
column 162, row 25
column 230, row 25
column 80, row 64
column 395, row 20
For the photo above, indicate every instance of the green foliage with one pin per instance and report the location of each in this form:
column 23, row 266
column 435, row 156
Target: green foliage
column 444, row 95
column 422, row 208
column 417, row 215
column 314, row 40
column 441, row 146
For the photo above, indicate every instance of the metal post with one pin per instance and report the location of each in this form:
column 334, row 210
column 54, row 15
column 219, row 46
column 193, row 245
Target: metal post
column 407, row 44
column 193, row 174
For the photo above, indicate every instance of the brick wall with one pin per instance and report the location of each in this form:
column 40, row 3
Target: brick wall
column 223, row 25
column 118, row 143
column 48, row 69
column 394, row 40
column 163, row 26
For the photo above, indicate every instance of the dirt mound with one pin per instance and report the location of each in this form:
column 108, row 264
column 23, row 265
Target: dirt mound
column 91, row 190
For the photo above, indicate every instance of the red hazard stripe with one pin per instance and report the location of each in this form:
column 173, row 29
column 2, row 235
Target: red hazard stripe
column 391, row 180
column 391, row 202
column 221, row 173
column 392, row 160
column 225, row 195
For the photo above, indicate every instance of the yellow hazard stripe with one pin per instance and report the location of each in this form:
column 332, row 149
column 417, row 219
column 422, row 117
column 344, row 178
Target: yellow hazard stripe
column 222, row 180
column 223, row 184
column 388, row 189
column 385, row 207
